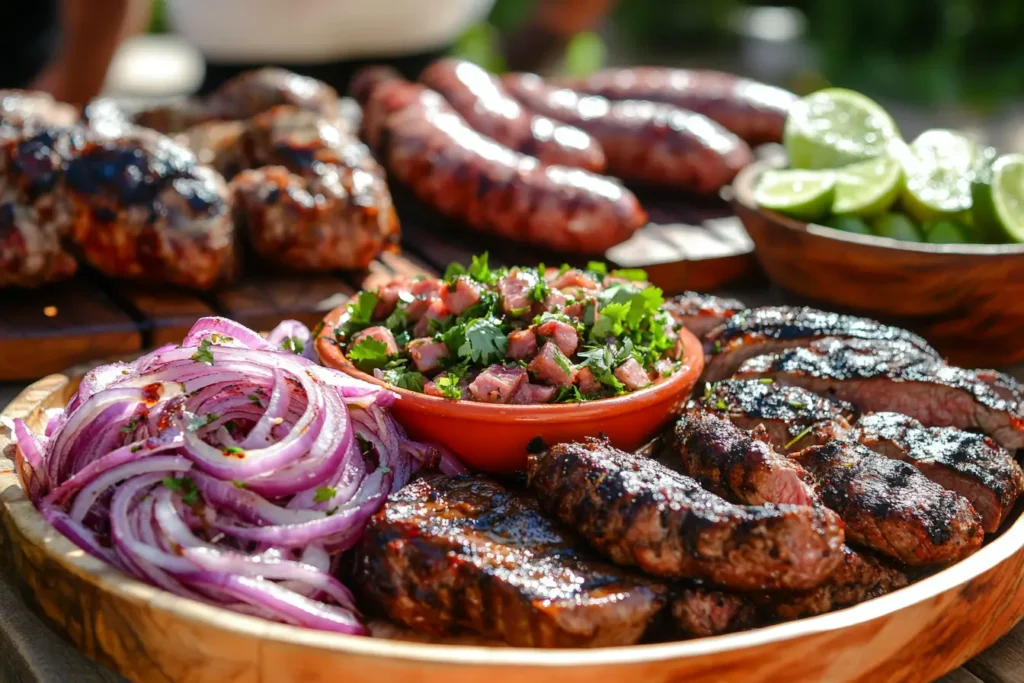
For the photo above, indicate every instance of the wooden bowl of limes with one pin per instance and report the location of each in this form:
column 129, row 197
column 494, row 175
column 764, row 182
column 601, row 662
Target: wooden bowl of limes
column 928, row 235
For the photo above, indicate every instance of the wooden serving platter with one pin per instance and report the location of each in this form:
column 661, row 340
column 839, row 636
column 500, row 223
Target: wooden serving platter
column 146, row 634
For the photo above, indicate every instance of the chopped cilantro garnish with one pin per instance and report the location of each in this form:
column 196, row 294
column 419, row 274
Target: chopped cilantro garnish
column 721, row 404
column 797, row 405
column 293, row 344
column 255, row 400
column 799, row 436
column 317, row 330
column 184, row 486
column 453, row 272
column 480, row 271
column 203, row 355
column 598, row 268
column 540, row 291
column 568, row 394
column 136, row 448
column 766, row 380
column 448, row 385
column 405, row 379
column 631, row 274
column 564, row 268
column 397, row 320
column 131, row 426
column 368, row 354
column 563, row 363
column 323, row 494
column 601, row 361
column 239, row 484
column 360, row 314
column 717, row 347
column 234, row 449
column 485, row 343
column 197, row 422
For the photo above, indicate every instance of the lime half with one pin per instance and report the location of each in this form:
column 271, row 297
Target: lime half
column 938, row 172
column 835, row 127
column 867, row 188
column 807, row 195
column 945, row 232
column 898, row 227
column 999, row 202
column 849, row 224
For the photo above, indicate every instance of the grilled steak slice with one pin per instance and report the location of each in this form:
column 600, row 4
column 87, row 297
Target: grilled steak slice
column 638, row 512
column 970, row 464
column 1008, row 388
column 893, row 377
column 447, row 552
column 891, row 507
column 701, row 313
column 758, row 331
column 699, row 612
column 731, row 462
column 791, row 418
column 859, row 577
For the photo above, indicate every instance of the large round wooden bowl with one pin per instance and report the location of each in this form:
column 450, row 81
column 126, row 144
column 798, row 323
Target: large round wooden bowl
column 494, row 438
column 967, row 299
column 146, row 634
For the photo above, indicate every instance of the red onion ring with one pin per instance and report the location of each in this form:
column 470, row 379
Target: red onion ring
column 226, row 469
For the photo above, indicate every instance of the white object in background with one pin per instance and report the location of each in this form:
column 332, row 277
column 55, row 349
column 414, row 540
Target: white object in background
column 307, row 31
column 152, row 66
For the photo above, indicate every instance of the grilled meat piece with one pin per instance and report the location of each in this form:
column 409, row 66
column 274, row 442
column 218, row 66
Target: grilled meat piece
column 733, row 463
column 894, row 377
column 699, row 612
column 891, row 507
column 211, row 140
column 462, row 552
column 701, row 313
column 173, row 117
column 1008, row 388
column 252, row 92
column 638, row 512
column 758, row 331
column 970, row 464
column 790, row 418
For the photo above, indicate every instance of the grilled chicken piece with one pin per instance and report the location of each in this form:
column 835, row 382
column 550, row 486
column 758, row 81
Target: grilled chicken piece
column 889, row 506
column 858, row 578
column 894, row 377
column 638, row 512
column 462, row 552
column 790, row 418
column 700, row 612
column 701, row 313
column 758, row 331
column 734, row 464
column 970, row 464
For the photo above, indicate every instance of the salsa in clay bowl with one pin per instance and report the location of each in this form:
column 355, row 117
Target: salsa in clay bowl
column 491, row 361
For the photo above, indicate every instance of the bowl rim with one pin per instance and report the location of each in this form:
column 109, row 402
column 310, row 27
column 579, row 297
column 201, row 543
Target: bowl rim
column 54, row 390
column 692, row 349
column 743, row 194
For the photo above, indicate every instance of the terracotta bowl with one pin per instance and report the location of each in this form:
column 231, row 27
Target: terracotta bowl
column 493, row 438
column 967, row 299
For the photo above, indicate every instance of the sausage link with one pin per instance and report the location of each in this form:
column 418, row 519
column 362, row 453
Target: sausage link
column 368, row 78
column 469, row 177
column 480, row 98
column 643, row 141
column 754, row 111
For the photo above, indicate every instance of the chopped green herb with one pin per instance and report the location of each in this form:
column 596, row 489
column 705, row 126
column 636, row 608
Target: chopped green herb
column 798, row 405
column 708, row 388
column 131, row 426
column 239, row 484
column 601, row 362
column 397, row 320
column 317, row 330
column 799, row 436
column 453, row 272
column 448, row 386
column 568, row 394
column 564, row 268
column 631, row 274
column 293, row 344
column 360, row 314
column 540, row 291
column 197, row 422
column 184, row 486
column 234, row 449
column 721, row 404
column 766, row 380
column 330, row 513
column 563, row 363
column 480, row 271
column 368, row 354
column 221, row 338
column 385, row 469
column 136, row 448
column 717, row 348
column 255, row 400
column 323, row 494
column 404, row 379
column 203, row 355
column 598, row 267
column 485, row 343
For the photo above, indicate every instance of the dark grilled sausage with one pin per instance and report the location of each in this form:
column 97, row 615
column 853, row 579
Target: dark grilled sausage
column 369, row 77
column 385, row 97
column 643, row 141
column 480, row 98
column 754, row 111
column 469, row 177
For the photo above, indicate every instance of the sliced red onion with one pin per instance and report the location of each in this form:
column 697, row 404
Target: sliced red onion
column 226, row 469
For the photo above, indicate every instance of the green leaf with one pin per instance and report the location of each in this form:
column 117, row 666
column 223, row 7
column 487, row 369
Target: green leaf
column 323, row 494
column 766, row 380
column 448, row 386
column 185, row 486
column 598, row 267
column 197, row 422
column 585, row 54
column 368, row 354
column 234, row 450
column 539, row 292
column 255, row 400
column 631, row 274
column 609, row 321
column 485, row 342
column 203, row 355
column 412, row 381
column 397, row 320
column 293, row 344
column 131, row 426
column 453, row 272
column 360, row 311
column 562, row 362
column 568, row 394
column 601, row 362
column 239, row 484
column 480, row 271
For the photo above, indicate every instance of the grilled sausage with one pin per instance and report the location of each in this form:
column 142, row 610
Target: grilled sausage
column 643, row 141
column 369, row 77
column 469, row 177
column 480, row 98
column 754, row 111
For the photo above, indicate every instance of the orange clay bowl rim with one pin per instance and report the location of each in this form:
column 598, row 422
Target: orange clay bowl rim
column 743, row 194
column 70, row 558
column 331, row 356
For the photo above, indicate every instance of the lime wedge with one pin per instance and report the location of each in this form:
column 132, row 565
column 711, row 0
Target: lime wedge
column 937, row 175
column 849, row 224
column 898, row 227
column 999, row 199
column 945, row 232
column 807, row 195
column 867, row 188
column 835, row 127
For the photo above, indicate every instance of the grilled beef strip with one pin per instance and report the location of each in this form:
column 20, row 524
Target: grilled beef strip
column 1008, row 388
column 701, row 313
column 737, row 466
column 970, row 464
column 639, row 512
column 791, row 418
column 758, row 331
column 889, row 506
column 699, row 612
column 449, row 552
column 887, row 376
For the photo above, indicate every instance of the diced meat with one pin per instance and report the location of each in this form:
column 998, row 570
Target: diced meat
column 388, row 296
column 632, row 375
column 576, row 309
column 554, row 301
column 436, row 310
column 498, row 383
column 586, row 381
column 552, row 367
column 460, row 295
column 514, row 290
column 427, row 354
column 426, row 288
column 563, row 334
column 573, row 278
column 522, row 344
column 379, row 333
column 533, row 393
